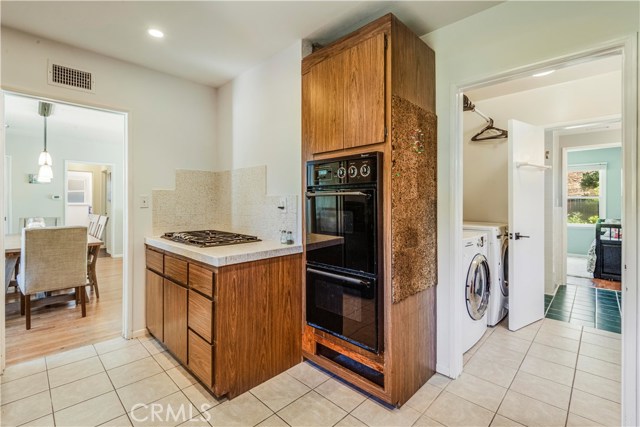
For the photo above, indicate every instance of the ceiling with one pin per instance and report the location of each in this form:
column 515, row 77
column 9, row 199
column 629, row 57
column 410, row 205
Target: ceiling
column 211, row 42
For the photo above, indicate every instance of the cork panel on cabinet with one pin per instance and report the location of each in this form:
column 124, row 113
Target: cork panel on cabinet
column 175, row 319
column 155, row 261
column 200, row 315
column 413, row 199
column 201, row 279
column 154, row 306
column 175, row 269
column 201, row 359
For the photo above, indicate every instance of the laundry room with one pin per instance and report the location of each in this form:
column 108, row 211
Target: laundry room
column 542, row 202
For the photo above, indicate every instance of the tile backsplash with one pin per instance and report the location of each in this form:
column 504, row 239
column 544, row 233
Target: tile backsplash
column 233, row 200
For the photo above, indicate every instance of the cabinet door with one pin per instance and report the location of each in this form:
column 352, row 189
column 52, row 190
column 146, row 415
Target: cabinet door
column 154, row 309
column 201, row 359
column 364, row 93
column 323, row 105
column 175, row 319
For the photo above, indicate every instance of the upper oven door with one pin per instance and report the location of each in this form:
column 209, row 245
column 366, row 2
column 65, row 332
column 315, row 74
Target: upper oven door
column 341, row 227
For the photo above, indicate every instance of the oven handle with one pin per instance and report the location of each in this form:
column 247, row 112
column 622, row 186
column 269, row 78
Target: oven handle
column 350, row 280
column 337, row 193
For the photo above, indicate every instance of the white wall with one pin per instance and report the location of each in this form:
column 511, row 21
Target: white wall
column 506, row 37
column 171, row 124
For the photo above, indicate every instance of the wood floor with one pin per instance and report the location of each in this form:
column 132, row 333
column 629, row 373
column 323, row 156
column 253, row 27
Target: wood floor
column 60, row 327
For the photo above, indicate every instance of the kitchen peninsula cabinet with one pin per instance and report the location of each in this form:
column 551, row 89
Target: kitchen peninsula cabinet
column 233, row 326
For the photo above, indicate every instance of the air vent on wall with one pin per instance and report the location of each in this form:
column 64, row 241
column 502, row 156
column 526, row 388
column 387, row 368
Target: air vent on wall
column 70, row 77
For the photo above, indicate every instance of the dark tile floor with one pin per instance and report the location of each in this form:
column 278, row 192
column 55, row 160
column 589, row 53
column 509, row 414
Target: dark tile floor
column 586, row 306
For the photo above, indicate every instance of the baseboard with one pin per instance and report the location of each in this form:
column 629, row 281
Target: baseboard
column 116, row 256
column 443, row 369
column 139, row 333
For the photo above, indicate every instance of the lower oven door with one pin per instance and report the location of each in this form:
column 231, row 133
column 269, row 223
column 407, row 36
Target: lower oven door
column 343, row 305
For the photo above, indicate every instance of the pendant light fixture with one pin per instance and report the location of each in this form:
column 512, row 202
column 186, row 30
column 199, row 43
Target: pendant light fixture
column 45, row 173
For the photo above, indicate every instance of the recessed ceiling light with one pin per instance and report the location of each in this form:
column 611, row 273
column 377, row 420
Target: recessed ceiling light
column 544, row 73
column 153, row 32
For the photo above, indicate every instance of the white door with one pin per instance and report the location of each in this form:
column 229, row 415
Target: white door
column 7, row 194
column 526, row 224
column 78, row 197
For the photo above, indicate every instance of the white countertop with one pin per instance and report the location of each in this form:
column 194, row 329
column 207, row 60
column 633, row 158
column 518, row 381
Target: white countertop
column 225, row 255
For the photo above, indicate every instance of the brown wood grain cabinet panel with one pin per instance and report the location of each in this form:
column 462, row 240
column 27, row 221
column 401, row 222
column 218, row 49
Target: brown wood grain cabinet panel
column 175, row 319
column 175, row 269
column 201, row 315
column 364, row 73
column 154, row 310
column 155, row 261
column 201, row 359
column 201, row 279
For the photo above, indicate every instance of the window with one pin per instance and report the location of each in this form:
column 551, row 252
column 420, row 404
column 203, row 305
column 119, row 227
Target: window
column 79, row 188
column 585, row 193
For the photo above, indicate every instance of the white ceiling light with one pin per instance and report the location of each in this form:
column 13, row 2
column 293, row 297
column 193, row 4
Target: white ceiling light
column 154, row 32
column 544, row 73
column 45, row 173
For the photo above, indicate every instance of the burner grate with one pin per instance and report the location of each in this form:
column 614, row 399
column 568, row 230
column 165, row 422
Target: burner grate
column 209, row 238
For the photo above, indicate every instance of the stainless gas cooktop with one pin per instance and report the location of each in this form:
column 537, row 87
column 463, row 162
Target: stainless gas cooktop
column 209, row 238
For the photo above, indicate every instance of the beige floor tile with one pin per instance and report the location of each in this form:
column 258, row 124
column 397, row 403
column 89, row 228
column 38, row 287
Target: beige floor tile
column 478, row 391
column 121, row 421
column 425, row 421
column 24, row 387
column 273, row 421
column 70, row 356
column 574, row 420
column 595, row 408
column 561, row 331
column 166, row 360
column 169, row 411
column 599, row 367
column 542, row 389
column 490, row 370
column 24, row 369
column 341, row 393
column 308, row 374
column 556, row 341
column 528, row 411
column 114, row 344
column 527, row 333
column 78, row 391
column 74, row 371
column 375, row 414
column 46, row 421
column 466, row 357
column 602, row 387
column 181, row 377
column 552, row 354
column 421, row 400
column 561, row 324
column 128, row 354
column 91, row 412
column 152, row 345
column 607, row 354
column 134, row 371
column 509, row 342
column 453, row 411
column 439, row 380
column 201, row 398
column 146, row 391
column 548, row 370
column 602, row 332
column 509, row 358
column 199, row 421
column 243, row 410
column 500, row 421
column 602, row 341
column 312, row 410
column 350, row 421
column 25, row 410
column 279, row 391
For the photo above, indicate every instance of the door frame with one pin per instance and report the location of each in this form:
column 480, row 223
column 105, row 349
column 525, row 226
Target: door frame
column 127, row 208
column 628, row 48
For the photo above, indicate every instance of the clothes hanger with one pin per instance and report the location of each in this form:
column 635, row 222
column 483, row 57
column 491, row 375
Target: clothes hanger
column 495, row 133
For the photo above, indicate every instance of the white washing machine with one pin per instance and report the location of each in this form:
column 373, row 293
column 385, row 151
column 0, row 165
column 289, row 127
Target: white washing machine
column 498, row 257
column 476, row 287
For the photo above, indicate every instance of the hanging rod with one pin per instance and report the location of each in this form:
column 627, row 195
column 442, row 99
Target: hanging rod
column 531, row 165
column 467, row 105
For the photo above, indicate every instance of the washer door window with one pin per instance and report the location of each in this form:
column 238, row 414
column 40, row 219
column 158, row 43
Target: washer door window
column 504, row 285
column 477, row 287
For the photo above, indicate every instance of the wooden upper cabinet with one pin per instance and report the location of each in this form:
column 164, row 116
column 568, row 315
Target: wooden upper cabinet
column 323, row 105
column 364, row 93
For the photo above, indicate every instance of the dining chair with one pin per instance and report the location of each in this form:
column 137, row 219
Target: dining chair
column 92, row 254
column 52, row 259
column 93, row 223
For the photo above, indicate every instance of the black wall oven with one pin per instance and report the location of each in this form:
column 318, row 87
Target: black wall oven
column 344, row 249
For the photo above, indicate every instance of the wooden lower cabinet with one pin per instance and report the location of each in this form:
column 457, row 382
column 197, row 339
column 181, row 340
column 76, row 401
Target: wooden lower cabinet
column 201, row 361
column 201, row 315
column 154, row 295
column 175, row 319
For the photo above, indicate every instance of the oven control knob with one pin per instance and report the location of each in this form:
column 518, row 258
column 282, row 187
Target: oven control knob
column 353, row 171
column 365, row 170
column 342, row 172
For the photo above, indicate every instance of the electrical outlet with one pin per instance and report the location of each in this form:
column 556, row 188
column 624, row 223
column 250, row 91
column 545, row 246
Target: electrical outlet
column 144, row 202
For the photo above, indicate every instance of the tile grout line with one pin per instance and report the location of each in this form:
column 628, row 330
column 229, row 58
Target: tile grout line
column 575, row 372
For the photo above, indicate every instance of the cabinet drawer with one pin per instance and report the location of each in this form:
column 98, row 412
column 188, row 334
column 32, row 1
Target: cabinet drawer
column 200, row 315
column 175, row 269
column 201, row 359
column 201, row 279
column 155, row 261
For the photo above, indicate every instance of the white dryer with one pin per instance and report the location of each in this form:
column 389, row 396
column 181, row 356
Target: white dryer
column 476, row 287
column 498, row 257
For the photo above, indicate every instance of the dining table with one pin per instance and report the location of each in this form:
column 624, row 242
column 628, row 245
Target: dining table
column 12, row 246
